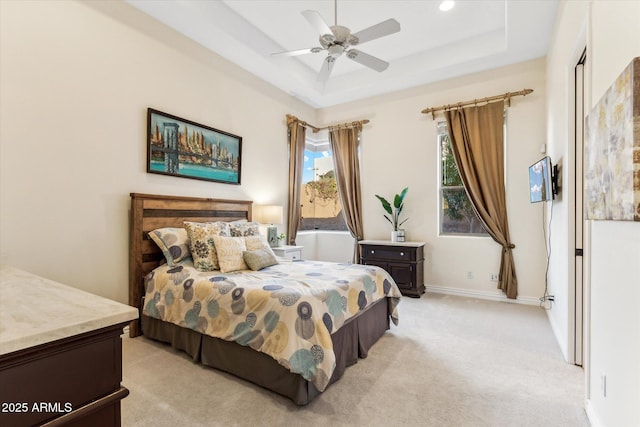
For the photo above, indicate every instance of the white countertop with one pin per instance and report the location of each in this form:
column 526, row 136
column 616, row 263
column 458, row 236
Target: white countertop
column 390, row 243
column 35, row 310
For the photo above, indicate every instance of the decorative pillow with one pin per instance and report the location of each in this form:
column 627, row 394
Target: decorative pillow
column 229, row 251
column 203, row 249
column 260, row 258
column 256, row 242
column 239, row 229
column 173, row 242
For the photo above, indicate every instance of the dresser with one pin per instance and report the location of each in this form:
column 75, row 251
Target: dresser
column 60, row 353
column 404, row 261
column 288, row 251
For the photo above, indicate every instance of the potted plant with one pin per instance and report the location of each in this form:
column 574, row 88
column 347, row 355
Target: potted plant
column 281, row 238
column 394, row 212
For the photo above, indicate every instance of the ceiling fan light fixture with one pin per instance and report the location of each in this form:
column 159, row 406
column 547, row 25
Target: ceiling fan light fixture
column 335, row 50
column 337, row 39
column 327, row 38
column 447, row 5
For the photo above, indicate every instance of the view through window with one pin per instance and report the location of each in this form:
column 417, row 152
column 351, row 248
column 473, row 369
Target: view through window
column 456, row 212
column 321, row 208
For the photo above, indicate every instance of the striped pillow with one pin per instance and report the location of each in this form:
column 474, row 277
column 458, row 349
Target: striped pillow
column 260, row 258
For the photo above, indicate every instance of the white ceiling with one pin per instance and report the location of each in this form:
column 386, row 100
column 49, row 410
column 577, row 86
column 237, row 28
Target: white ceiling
column 432, row 45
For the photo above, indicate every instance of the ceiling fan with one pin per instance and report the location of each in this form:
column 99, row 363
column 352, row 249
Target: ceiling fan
column 337, row 40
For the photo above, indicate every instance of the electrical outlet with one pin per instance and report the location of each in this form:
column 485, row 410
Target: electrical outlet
column 493, row 277
column 469, row 274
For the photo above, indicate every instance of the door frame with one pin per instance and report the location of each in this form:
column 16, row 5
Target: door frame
column 576, row 339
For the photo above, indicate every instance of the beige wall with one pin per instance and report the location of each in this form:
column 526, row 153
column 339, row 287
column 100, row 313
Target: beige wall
column 399, row 148
column 76, row 79
column 611, row 32
column 569, row 43
column 615, row 245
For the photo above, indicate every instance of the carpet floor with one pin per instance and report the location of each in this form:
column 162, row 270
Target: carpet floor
column 452, row 361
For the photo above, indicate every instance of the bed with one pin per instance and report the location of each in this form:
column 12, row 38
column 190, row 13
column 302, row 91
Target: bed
column 331, row 314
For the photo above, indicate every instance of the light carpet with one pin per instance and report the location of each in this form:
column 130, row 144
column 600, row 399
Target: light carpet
column 452, row 361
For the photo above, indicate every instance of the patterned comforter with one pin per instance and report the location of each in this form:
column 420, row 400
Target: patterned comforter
column 287, row 311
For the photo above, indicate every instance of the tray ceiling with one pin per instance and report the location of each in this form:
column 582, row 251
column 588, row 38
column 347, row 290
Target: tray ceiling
column 431, row 46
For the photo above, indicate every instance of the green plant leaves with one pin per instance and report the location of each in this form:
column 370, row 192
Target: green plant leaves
column 403, row 193
column 386, row 205
column 398, row 206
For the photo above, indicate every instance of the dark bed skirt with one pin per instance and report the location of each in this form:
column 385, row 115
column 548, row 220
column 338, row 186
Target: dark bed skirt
column 352, row 341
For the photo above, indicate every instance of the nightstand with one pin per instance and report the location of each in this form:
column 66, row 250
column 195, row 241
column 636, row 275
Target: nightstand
column 289, row 252
column 404, row 261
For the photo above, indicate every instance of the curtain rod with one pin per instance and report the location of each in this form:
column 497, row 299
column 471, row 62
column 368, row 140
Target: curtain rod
column 506, row 96
column 315, row 129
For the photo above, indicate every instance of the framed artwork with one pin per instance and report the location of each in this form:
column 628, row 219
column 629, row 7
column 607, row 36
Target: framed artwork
column 612, row 151
column 180, row 147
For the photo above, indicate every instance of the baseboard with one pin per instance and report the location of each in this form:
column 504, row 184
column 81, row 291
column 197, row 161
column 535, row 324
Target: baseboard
column 591, row 415
column 561, row 340
column 494, row 296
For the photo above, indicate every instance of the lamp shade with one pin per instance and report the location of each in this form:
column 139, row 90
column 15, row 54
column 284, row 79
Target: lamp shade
column 268, row 214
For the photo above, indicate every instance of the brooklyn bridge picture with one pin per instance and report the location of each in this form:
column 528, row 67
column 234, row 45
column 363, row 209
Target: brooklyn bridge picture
column 180, row 147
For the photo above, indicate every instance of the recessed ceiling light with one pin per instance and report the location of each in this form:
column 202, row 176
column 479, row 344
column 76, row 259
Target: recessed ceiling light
column 447, row 5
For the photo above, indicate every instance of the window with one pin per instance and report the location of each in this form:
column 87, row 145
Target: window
column 320, row 205
column 457, row 216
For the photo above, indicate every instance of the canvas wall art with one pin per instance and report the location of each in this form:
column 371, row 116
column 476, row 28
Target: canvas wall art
column 612, row 151
column 180, row 147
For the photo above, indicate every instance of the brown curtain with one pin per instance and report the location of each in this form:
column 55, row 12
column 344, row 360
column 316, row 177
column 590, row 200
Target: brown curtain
column 478, row 146
column 296, row 160
column 344, row 146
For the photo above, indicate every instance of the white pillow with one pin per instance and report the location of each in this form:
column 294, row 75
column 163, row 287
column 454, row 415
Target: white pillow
column 229, row 251
column 256, row 242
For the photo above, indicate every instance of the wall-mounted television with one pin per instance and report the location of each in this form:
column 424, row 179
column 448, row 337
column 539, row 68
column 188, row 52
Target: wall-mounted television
column 541, row 188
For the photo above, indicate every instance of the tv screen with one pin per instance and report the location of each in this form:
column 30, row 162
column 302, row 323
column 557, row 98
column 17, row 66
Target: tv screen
column 540, row 181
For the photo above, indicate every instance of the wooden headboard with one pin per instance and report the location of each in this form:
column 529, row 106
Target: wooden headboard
column 149, row 212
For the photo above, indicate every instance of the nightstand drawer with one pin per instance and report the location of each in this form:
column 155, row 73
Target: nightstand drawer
column 392, row 253
column 289, row 252
column 293, row 254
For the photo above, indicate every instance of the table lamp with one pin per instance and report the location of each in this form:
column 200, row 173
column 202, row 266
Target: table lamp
column 271, row 215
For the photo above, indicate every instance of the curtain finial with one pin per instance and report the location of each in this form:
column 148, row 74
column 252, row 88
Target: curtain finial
column 504, row 97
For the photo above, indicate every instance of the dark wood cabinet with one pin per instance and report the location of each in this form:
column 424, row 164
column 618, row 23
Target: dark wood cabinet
column 403, row 261
column 60, row 353
column 72, row 381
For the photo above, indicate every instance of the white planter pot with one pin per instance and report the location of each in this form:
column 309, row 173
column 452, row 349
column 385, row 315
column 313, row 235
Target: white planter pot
column 394, row 236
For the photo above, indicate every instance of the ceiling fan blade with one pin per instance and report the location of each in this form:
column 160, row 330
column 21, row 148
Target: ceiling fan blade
column 382, row 29
column 325, row 71
column 298, row 52
column 317, row 22
column 367, row 60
